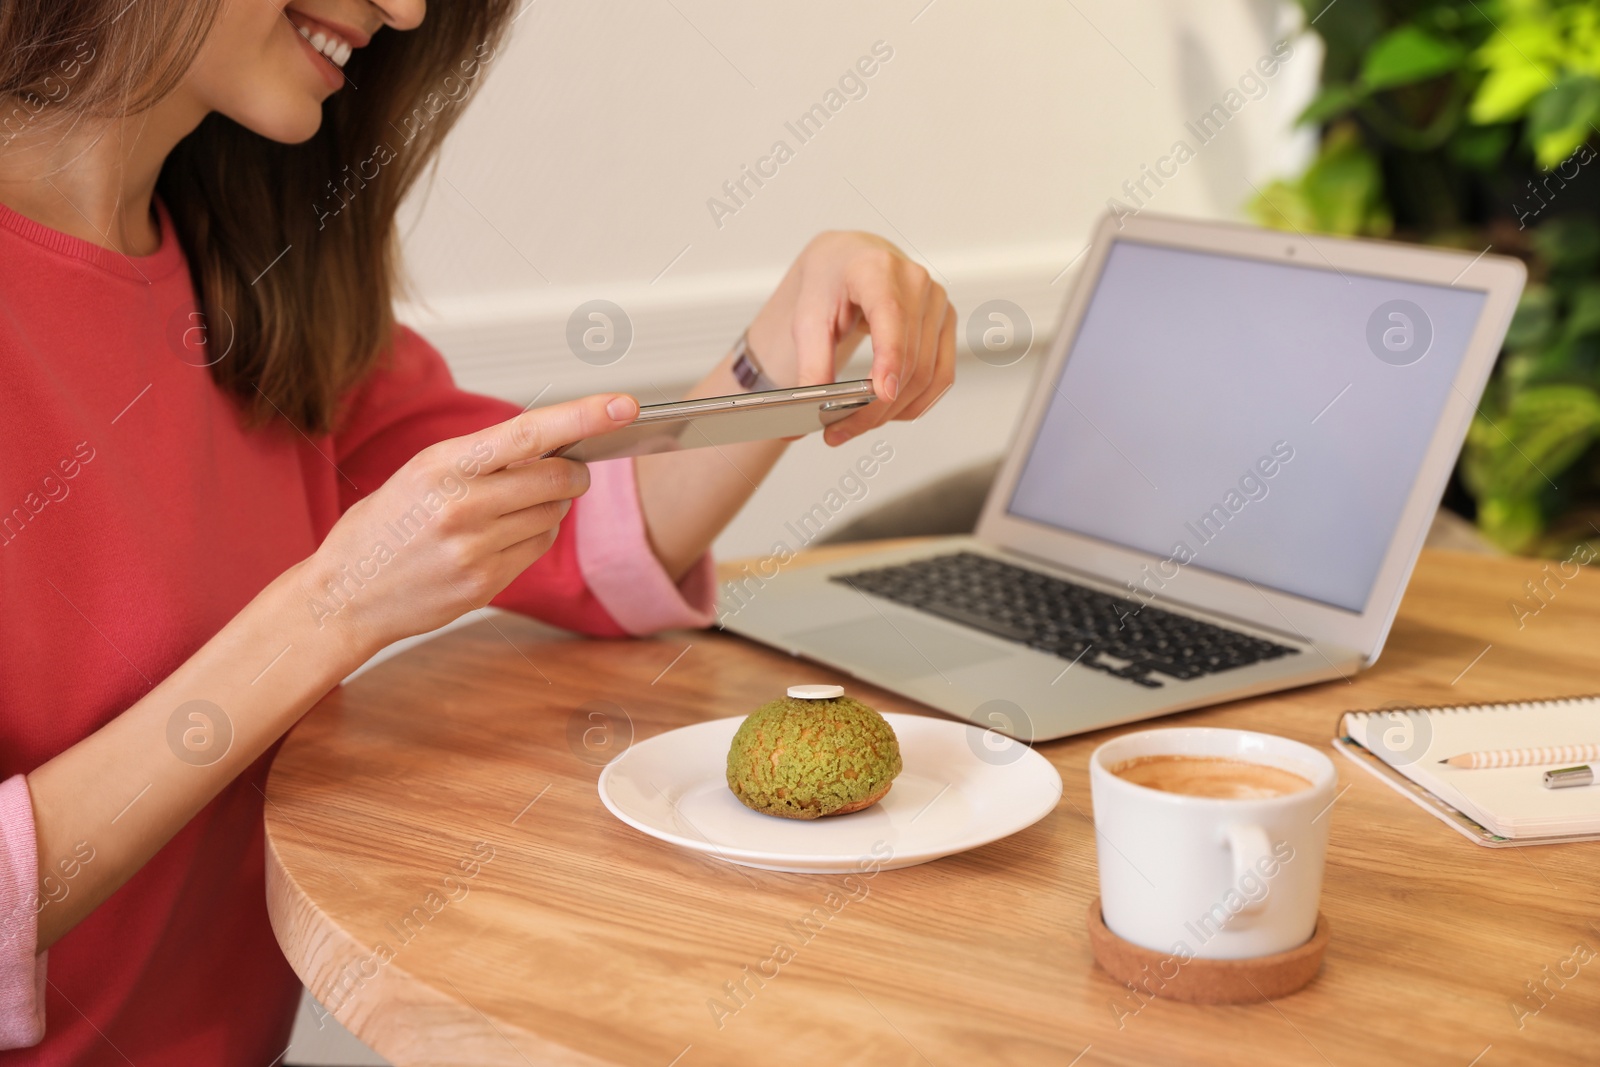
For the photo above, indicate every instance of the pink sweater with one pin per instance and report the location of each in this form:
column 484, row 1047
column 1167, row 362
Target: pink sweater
column 136, row 518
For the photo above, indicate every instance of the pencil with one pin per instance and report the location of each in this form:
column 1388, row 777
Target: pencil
column 1525, row 757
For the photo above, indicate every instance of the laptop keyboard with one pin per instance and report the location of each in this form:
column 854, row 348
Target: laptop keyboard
column 1087, row 627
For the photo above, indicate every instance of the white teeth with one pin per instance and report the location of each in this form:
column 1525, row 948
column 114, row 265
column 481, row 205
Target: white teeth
column 335, row 49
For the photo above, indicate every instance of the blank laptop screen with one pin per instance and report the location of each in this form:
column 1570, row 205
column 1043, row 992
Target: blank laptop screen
column 1260, row 420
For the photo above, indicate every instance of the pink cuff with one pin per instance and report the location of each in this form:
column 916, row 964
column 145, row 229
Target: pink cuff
column 21, row 972
column 621, row 569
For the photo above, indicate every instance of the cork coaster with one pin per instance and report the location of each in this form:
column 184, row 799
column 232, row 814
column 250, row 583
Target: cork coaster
column 1203, row 981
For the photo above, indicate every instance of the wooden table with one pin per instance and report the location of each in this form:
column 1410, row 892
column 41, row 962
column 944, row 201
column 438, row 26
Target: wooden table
column 441, row 873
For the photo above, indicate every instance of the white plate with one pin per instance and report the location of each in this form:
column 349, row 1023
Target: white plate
column 961, row 787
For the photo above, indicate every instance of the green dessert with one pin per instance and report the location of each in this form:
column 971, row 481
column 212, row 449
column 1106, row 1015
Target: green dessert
column 806, row 758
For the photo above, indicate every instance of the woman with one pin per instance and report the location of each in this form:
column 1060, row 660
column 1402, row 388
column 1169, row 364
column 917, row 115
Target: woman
column 229, row 478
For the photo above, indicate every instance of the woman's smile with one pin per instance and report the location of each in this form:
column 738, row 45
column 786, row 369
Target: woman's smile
column 329, row 45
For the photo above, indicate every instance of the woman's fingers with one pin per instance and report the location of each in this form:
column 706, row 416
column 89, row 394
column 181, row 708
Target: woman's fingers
column 873, row 285
column 507, row 491
column 530, row 522
column 944, row 368
column 814, row 338
column 519, row 557
column 535, row 433
column 920, row 374
column 435, row 537
column 844, row 286
column 912, row 349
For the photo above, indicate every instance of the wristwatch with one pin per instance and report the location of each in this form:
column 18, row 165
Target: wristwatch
column 746, row 370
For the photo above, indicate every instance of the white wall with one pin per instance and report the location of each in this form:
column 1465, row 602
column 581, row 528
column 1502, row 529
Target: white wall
column 985, row 148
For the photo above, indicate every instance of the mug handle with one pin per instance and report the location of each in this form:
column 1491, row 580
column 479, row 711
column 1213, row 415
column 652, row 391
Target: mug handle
column 1249, row 845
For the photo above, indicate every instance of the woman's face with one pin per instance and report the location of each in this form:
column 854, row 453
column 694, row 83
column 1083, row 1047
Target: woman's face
column 269, row 64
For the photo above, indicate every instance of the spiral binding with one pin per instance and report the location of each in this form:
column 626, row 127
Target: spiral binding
column 1511, row 757
column 1523, row 705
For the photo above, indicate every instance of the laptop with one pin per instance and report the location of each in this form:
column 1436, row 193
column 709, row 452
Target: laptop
column 1218, row 488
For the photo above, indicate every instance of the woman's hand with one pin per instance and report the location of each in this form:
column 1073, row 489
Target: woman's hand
column 448, row 531
column 455, row 525
column 843, row 286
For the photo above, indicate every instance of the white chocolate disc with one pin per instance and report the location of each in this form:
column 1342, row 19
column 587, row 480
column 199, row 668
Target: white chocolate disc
column 816, row 692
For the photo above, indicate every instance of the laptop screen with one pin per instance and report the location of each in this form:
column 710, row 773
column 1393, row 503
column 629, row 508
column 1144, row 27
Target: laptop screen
column 1261, row 420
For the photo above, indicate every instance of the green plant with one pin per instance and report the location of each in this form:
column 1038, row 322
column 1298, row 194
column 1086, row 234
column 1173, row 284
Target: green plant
column 1469, row 125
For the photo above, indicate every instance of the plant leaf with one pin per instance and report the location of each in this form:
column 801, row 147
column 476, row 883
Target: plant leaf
column 1347, row 29
column 1330, row 103
column 1504, row 94
column 1406, row 55
column 1341, row 192
column 1480, row 147
column 1543, row 432
column 1562, row 118
column 1344, row 188
column 1534, row 318
column 1512, row 523
column 1583, row 311
column 1569, row 244
column 1551, row 365
column 1282, row 206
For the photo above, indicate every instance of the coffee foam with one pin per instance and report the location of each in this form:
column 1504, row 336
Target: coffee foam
column 1217, row 777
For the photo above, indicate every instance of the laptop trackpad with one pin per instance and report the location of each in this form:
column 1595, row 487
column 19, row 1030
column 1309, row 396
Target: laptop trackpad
column 906, row 649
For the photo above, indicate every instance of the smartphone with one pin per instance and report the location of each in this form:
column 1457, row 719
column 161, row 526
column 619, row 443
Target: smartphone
column 726, row 420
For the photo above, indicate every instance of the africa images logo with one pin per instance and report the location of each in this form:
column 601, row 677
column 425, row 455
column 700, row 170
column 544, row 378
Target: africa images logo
column 1399, row 332
column 599, row 332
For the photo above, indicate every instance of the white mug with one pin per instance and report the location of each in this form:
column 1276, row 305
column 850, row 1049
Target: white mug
column 1209, row 877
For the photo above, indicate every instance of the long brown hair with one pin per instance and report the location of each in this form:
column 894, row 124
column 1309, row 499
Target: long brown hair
column 292, row 248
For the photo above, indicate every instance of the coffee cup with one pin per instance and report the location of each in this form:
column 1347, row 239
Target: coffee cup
column 1219, row 853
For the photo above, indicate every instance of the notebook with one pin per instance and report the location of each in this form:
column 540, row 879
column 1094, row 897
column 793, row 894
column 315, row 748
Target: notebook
column 1505, row 805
